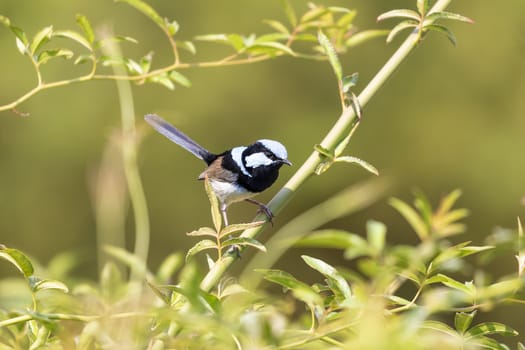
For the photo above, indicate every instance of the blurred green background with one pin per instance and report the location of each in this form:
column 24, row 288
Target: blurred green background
column 449, row 118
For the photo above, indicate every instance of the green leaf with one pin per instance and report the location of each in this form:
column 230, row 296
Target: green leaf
column 440, row 327
column 521, row 346
column 443, row 30
column 487, row 343
column 467, row 287
column 203, row 231
column 278, row 26
column 230, row 229
column 244, row 241
column 363, row 164
column 20, row 34
column 331, row 273
column 376, row 233
column 217, row 38
column 410, row 215
column 271, row 48
column 400, row 13
column 462, row 320
column 17, row 258
column 487, row 328
column 5, row 21
column 400, row 27
column 145, row 62
column 300, row 290
column 50, row 284
column 422, row 7
column 331, row 54
column 147, row 10
column 214, row 202
column 313, row 14
column 350, row 81
column 40, row 39
column 434, row 16
column 290, row 12
column 46, row 55
column 448, row 202
column 179, row 78
column 168, row 267
column 172, row 27
column 163, row 80
column 188, row 46
column 330, row 238
column 129, row 259
column 86, row 27
column 72, row 35
column 364, row 36
column 133, row 67
column 200, row 246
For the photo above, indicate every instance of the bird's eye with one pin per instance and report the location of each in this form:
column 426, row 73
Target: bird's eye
column 270, row 155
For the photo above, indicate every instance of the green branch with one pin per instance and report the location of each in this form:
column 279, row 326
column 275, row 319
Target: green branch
column 330, row 141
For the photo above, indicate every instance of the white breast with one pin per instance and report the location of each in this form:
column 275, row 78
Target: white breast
column 228, row 193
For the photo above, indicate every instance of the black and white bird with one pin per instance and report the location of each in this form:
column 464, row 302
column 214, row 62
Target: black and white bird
column 237, row 174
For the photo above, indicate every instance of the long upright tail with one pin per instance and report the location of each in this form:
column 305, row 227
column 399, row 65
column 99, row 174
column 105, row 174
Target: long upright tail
column 179, row 138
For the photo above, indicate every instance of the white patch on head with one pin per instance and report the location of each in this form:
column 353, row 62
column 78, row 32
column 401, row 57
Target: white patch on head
column 257, row 159
column 275, row 147
column 237, row 158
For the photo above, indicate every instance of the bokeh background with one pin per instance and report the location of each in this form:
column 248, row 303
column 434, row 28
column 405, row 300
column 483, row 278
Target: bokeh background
column 448, row 118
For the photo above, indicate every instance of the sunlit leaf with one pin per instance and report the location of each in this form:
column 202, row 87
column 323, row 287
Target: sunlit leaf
column 363, row 164
column 244, row 241
column 179, row 78
column 221, row 38
column 5, row 21
column 72, row 35
column 434, row 16
column 200, row 246
column 482, row 342
column 228, row 230
column 313, row 14
column 300, row 290
column 364, row 36
column 331, row 273
column 422, row 7
column 128, row 258
column 331, row 54
column 290, row 12
column 18, row 259
column 163, row 80
column 399, row 13
column 399, row 28
column 462, row 320
column 188, row 46
column 330, row 238
column 467, row 287
column 411, row 216
column 46, row 55
column 41, row 38
column 168, row 267
column 448, row 202
column 487, row 328
column 50, row 284
column 146, row 9
column 203, row 231
column 376, row 233
column 278, row 26
column 133, row 67
column 271, row 48
column 440, row 327
column 171, row 26
column 86, row 27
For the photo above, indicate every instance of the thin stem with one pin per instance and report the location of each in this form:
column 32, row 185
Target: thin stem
column 338, row 132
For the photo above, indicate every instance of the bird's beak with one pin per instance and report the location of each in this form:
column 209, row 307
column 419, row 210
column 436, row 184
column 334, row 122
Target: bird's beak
column 286, row 161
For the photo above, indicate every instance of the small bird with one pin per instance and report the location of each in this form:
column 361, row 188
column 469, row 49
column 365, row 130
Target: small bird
column 237, row 174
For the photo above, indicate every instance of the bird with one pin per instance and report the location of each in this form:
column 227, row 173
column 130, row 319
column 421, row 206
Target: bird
column 237, row 174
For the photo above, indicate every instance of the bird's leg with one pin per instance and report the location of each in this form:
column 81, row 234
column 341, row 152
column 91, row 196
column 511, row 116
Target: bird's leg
column 262, row 209
column 224, row 215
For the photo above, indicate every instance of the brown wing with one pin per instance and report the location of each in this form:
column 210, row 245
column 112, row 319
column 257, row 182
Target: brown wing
column 215, row 171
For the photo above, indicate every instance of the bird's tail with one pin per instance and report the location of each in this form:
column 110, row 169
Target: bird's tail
column 179, row 138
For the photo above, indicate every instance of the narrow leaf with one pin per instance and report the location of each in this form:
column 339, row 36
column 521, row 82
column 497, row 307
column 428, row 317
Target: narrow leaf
column 5, row 21
column 126, row 257
column 228, row 230
column 86, row 27
column 20, row 34
column 363, row 164
column 40, row 39
column 147, row 10
column 448, row 202
column 411, row 216
column 290, row 12
column 214, row 202
column 434, row 16
column 163, row 80
column 399, row 13
column 330, row 238
column 487, row 328
column 331, row 273
column 440, row 327
column 313, row 14
column 462, row 320
column 350, row 81
column 72, row 35
column 17, row 258
column 275, row 47
column 203, row 231
column 278, row 26
column 452, row 283
column 50, row 284
column 331, row 54
column 220, row 38
column 244, row 241
column 168, row 267
column 364, row 36
column 188, row 46
column 199, row 247
column 46, row 55
column 443, row 30
column 179, row 78
column 422, row 7
column 399, row 28
column 300, row 290
column 171, row 26
column 376, row 233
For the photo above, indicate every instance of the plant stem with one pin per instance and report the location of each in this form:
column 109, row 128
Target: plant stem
column 337, row 133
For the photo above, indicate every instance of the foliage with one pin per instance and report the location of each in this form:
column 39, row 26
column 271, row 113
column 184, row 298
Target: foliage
column 386, row 296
